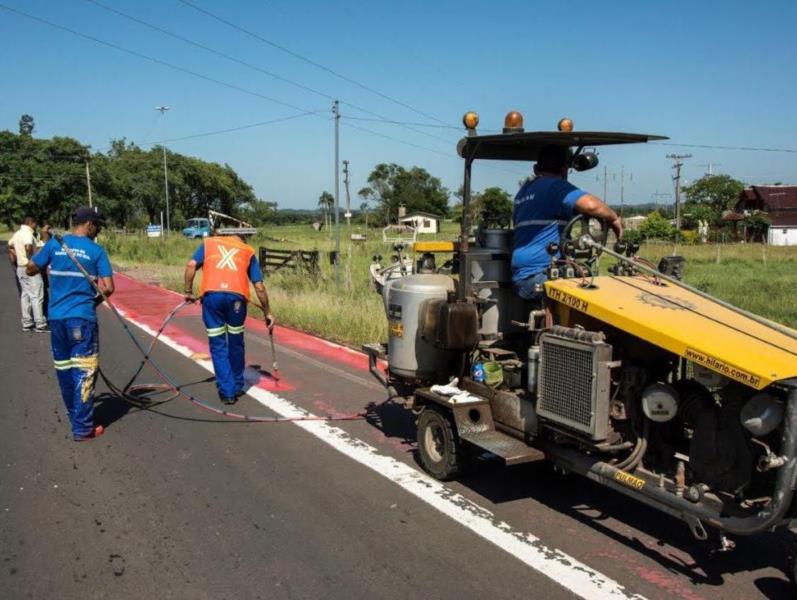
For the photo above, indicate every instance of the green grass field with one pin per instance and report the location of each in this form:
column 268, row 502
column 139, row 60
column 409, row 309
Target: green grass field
column 759, row 279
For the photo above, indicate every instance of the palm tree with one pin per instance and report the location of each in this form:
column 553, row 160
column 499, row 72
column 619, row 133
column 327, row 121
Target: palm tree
column 326, row 201
column 364, row 209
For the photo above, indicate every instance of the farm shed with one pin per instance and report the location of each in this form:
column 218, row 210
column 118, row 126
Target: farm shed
column 422, row 222
column 780, row 203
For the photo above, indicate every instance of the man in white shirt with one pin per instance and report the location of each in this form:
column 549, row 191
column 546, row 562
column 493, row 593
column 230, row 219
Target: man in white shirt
column 21, row 247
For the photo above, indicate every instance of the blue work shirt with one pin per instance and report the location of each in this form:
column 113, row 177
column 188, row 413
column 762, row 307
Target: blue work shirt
column 543, row 206
column 71, row 296
column 255, row 275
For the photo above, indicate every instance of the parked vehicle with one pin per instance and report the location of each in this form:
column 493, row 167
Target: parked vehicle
column 197, row 228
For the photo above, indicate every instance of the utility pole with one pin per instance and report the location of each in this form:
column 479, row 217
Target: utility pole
column 163, row 110
column 347, row 214
column 710, row 166
column 88, row 180
column 677, row 178
column 336, row 114
column 657, row 195
column 605, row 189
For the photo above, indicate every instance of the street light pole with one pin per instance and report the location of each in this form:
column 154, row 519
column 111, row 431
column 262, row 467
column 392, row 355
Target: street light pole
column 336, row 113
column 88, row 181
column 163, row 110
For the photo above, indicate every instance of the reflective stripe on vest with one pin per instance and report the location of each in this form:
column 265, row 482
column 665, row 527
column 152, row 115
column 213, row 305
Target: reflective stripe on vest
column 226, row 266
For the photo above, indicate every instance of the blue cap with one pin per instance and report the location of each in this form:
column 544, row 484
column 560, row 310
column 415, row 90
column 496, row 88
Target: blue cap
column 84, row 214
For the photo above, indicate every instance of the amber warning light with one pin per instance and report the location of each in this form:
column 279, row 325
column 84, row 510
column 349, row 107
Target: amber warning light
column 565, row 124
column 470, row 120
column 513, row 122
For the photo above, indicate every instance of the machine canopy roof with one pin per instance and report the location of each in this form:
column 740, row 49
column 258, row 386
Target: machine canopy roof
column 526, row 146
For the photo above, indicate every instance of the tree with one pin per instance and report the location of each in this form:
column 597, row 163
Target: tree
column 493, row 207
column 46, row 178
column 694, row 212
column 259, row 212
column 391, row 185
column 326, row 201
column 26, row 125
column 657, row 227
column 721, row 192
column 496, row 207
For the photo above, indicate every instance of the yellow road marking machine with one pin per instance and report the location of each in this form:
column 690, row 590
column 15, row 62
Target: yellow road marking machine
column 630, row 378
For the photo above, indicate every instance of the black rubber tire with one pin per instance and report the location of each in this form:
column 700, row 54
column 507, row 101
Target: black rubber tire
column 441, row 453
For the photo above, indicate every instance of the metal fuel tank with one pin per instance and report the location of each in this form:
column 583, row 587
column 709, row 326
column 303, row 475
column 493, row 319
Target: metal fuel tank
column 408, row 354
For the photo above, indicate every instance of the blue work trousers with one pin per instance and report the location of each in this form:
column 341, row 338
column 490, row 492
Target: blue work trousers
column 526, row 288
column 76, row 346
column 224, row 314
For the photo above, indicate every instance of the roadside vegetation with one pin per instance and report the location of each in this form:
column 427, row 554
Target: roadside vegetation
column 758, row 278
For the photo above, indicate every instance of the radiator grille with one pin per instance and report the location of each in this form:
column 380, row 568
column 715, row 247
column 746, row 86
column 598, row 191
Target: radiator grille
column 566, row 384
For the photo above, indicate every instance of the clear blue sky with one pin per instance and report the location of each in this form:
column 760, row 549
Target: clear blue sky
column 715, row 73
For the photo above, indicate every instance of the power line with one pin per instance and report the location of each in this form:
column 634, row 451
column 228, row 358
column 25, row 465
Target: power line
column 151, row 58
column 310, row 61
column 446, row 154
column 391, row 138
column 393, row 122
column 231, row 129
column 177, row 67
column 259, row 69
column 745, row 148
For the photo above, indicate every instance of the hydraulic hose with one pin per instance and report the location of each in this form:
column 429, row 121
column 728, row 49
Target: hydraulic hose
column 128, row 393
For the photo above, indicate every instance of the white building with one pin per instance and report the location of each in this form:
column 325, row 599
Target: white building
column 422, row 222
column 634, row 222
column 780, row 204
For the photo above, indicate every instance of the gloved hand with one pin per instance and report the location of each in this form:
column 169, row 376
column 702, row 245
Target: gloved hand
column 189, row 297
column 270, row 322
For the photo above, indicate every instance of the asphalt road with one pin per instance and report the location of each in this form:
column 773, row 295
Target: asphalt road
column 174, row 502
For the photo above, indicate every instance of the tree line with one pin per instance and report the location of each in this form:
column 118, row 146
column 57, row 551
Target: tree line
column 47, row 178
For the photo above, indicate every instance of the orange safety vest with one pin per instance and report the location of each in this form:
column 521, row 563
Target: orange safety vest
column 226, row 266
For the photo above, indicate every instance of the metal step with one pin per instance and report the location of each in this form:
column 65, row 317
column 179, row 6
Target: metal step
column 513, row 451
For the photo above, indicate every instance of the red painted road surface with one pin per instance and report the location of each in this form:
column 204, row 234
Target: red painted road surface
column 642, row 549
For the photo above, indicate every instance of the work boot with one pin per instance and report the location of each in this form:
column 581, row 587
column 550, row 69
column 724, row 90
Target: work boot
column 95, row 433
column 228, row 400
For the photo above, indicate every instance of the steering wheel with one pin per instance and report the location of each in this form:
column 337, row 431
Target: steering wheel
column 575, row 238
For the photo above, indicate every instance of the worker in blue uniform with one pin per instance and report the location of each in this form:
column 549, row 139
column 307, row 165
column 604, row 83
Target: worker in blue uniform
column 228, row 267
column 72, row 314
column 542, row 208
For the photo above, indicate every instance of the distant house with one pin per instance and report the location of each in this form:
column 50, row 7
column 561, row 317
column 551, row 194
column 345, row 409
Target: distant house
column 634, row 222
column 422, row 222
column 780, row 204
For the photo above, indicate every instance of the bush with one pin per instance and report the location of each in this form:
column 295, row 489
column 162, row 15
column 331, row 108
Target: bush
column 689, row 237
column 657, row 227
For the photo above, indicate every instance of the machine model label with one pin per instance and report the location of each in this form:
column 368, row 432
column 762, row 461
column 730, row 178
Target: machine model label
column 722, row 367
column 394, row 312
column 629, row 480
column 567, row 299
column 396, row 329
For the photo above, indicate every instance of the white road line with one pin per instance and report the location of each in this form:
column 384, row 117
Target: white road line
column 562, row 568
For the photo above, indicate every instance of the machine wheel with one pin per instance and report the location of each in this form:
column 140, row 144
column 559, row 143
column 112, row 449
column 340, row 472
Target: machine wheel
column 441, row 453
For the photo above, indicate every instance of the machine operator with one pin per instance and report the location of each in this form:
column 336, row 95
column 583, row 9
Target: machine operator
column 543, row 206
column 228, row 266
